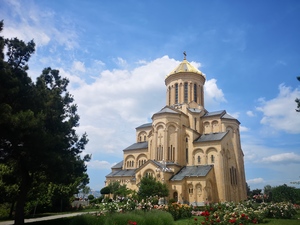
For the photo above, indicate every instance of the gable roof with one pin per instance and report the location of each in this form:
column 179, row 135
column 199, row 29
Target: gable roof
column 119, row 165
column 222, row 114
column 122, row 173
column 167, row 109
column 211, row 137
column 138, row 145
column 144, row 125
column 192, row 171
column 216, row 113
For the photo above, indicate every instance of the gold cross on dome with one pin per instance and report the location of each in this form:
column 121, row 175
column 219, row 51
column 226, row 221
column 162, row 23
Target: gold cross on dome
column 184, row 53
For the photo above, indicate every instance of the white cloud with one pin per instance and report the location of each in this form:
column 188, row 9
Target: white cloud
column 213, row 95
column 27, row 22
column 121, row 62
column 78, row 66
column 256, row 181
column 99, row 165
column 117, row 101
column 279, row 113
column 235, row 114
column 244, row 129
column 250, row 113
column 289, row 157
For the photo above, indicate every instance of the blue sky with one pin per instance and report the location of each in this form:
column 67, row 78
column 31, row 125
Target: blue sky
column 116, row 55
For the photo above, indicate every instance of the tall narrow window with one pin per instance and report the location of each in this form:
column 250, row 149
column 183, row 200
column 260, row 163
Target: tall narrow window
column 187, row 155
column 176, row 93
column 195, row 92
column 169, row 96
column 186, row 92
column 173, row 154
column 212, row 158
column 199, row 159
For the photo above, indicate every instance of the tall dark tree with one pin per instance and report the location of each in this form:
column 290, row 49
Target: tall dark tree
column 38, row 141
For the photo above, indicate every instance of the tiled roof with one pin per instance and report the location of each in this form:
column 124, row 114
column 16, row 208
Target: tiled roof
column 216, row 113
column 122, row 173
column 192, row 171
column 211, row 137
column 222, row 114
column 144, row 125
column 194, row 110
column 167, row 110
column 118, row 165
column 138, row 145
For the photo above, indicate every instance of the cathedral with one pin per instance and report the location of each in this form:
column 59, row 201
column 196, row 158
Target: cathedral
column 196, row 153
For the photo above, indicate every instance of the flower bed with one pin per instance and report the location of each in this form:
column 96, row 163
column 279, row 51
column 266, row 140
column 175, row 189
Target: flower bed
column 248, row 212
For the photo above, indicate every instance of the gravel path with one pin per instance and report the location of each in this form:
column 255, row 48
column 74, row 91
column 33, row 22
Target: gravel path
column 11, row 222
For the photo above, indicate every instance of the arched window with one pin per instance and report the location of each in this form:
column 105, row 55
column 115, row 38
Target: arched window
column 191, row 190
column 176, row 93
column 186, row 91
column 212, row 158
column 195, row 92
column 199, row 159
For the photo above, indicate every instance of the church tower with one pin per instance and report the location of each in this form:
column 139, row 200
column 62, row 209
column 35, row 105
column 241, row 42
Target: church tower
column 185, row 85
column 196, row 153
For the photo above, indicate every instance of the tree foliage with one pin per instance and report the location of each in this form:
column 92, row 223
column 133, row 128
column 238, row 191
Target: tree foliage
column 284, row 193
column 116, row 189
column 149, row 186
column 38, row 141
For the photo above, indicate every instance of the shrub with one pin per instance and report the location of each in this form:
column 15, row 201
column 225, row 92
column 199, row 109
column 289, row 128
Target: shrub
column 281, row 210
column 179, row 211
column 124, row 218
column 158, row 217
column 87, row 220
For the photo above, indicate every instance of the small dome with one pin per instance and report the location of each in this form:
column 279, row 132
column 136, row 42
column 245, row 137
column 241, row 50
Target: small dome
column 185, row 66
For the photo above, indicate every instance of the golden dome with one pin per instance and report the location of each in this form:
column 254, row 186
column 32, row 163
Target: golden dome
column 185, row 66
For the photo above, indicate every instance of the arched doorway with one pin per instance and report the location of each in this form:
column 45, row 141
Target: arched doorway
column 175, row 196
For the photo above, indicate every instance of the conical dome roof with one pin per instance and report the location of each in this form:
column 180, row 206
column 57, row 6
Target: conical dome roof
column 185, row 66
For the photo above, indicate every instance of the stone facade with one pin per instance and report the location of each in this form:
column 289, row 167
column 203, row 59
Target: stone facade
column 195, row 152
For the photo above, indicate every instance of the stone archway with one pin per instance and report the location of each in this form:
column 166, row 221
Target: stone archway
column 175, row 196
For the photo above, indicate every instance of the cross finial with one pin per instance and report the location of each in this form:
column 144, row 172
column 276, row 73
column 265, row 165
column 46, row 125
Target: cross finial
column 184, row 53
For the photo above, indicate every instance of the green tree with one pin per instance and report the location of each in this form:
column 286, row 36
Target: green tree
column 91, row 197
column 85, row 191
column 38, row 141
column 150, row 187
column 116, row 188
column 248, row 191
column 284, row 193
column 268, row 193
column 105, row 191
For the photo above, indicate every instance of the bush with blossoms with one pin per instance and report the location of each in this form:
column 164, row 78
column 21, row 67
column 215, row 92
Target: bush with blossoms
column 231, row 213
column 244, row 213
column 280, row 210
